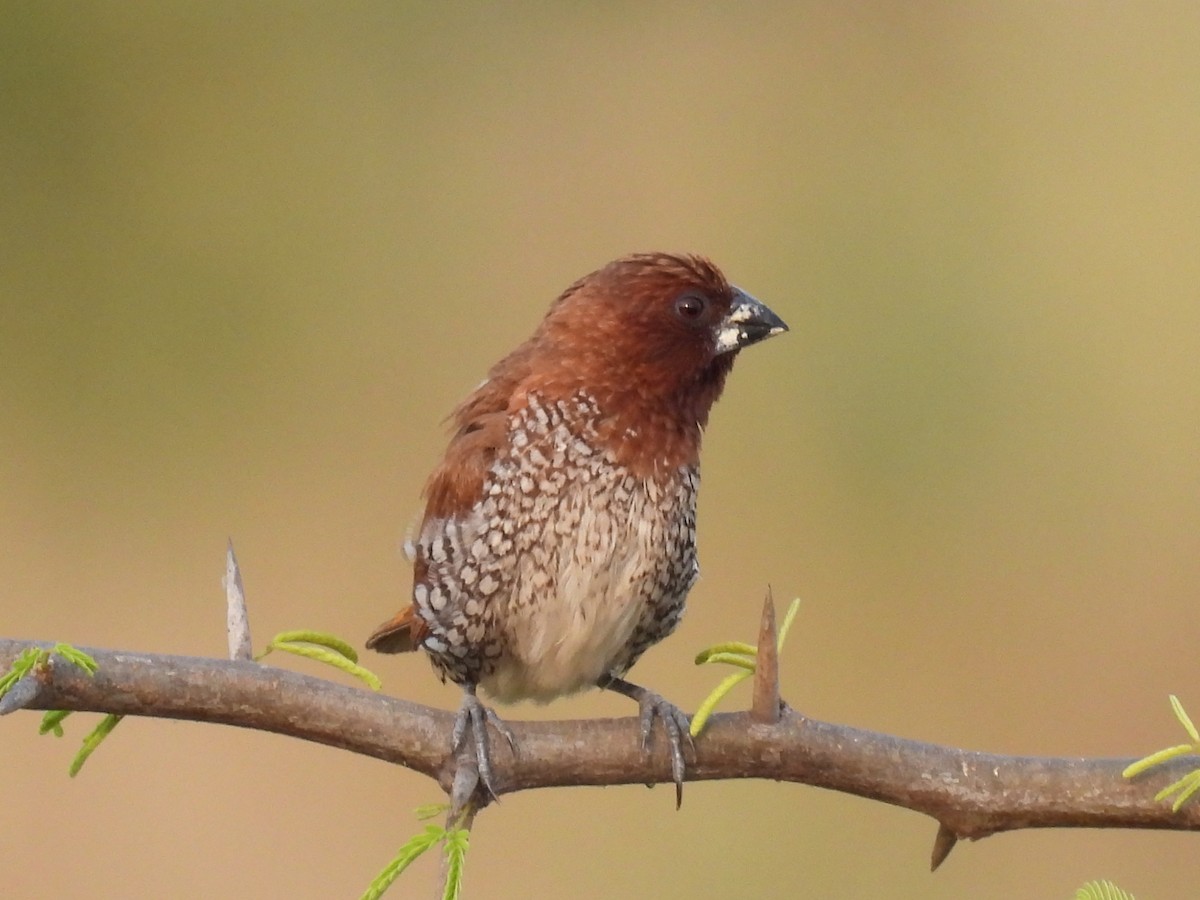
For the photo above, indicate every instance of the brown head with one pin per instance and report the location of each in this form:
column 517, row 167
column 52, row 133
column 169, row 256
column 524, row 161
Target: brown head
column 651, row 337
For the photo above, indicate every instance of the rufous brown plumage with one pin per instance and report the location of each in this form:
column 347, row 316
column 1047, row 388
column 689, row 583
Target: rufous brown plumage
column 558, row 540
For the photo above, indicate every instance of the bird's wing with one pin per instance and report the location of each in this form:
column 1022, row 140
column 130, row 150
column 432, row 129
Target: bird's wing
column 455, row 487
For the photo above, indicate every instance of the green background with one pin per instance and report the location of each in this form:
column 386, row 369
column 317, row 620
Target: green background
column 251, row 255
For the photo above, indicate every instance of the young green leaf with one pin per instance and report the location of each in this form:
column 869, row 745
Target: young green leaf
column 52, row 722
column 405, row 857
column 1101, row 890
column 1157, row 758
column 457, row 844
column 1186, row 722
column 92, row 741
column 326, row 648
column 319, row 638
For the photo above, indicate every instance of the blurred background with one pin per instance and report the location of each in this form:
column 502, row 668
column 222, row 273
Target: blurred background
column 252, row 255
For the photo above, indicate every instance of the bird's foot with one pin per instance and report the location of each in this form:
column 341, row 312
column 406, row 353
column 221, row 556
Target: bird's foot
column 675, row 723
column 473, row 716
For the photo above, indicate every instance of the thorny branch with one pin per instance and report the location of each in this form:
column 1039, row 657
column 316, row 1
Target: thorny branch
column 970, row 794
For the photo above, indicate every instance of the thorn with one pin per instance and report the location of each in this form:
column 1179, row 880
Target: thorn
column 466, row 780
column 765, row 706
column 237, row 620
column 464, row 819
column 942, row 845
column 20, row 695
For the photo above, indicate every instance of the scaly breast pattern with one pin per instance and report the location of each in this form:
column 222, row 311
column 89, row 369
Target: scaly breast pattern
column 567, row 569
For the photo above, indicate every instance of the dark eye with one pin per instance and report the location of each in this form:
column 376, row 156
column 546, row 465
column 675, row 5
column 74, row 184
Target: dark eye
column 690, row 307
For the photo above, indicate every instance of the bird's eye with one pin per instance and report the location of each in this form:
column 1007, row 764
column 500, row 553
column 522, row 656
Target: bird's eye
column 690, row 307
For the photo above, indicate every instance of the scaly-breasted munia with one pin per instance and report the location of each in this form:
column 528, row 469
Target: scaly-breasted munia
column 559, row 535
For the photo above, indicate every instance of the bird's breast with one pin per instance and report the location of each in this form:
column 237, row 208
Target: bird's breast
column 575, row 564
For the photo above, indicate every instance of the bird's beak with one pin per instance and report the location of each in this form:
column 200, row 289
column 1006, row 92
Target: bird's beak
column 748, row 322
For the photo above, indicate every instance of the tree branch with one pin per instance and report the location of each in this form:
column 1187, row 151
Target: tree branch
column 970, row 794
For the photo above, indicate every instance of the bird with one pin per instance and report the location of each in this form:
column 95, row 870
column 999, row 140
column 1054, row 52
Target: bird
column 558, row 541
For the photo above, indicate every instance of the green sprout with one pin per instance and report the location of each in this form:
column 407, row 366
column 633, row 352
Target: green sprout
column 1189, row 784
column 52, row 720
column 1102, row 890
column 326, row 648
column 456, row 840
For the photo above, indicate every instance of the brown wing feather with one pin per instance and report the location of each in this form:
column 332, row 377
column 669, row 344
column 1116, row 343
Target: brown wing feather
column 480, row 431
column 455, row 486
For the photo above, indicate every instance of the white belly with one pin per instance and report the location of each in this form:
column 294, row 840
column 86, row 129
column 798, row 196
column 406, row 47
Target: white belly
column 573, row 621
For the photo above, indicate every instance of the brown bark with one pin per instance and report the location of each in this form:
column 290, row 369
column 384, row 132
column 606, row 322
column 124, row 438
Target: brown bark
column 970, row 794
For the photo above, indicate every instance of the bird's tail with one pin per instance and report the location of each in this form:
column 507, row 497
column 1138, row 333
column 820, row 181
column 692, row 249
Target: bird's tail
column 402, row 633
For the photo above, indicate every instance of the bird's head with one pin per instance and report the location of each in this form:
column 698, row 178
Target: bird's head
column 651, row 337
column 661, row 324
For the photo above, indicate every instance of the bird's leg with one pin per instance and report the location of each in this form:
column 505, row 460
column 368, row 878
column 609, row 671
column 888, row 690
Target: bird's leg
column 675, row 724
column 473, row 715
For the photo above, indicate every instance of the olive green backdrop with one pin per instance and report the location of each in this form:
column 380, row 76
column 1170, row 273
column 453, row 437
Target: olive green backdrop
column 251, row 254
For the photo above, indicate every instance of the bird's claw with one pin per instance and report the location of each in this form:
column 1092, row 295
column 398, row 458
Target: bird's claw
column 675, row 722
column 473, row 715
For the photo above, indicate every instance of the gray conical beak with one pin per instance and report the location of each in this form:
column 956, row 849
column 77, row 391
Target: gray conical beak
column 748, row 322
